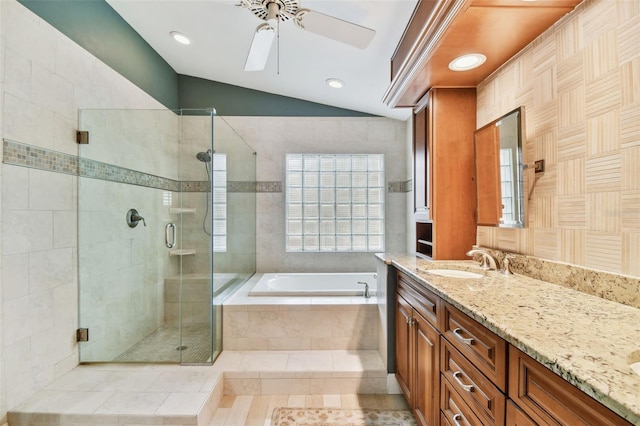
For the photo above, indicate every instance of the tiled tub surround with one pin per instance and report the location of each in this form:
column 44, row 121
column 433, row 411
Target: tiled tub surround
column 298, row 323
column 587, row 340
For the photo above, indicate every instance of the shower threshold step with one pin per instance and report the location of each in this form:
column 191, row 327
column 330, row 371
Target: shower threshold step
column 156, row 394
column 125, row 394
column 303, row 372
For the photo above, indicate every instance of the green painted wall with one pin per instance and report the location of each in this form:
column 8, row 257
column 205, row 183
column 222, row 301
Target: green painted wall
column 95, row 26
column 229, row 100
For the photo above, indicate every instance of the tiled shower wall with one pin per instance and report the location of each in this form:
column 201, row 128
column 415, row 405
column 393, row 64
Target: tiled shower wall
column 46, row 79
column 274, row 137
column 580, row 86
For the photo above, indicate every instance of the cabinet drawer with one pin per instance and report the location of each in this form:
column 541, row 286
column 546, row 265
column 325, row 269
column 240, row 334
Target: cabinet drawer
column 486, row 350
column 422, row 300
column 487, row 401
column 453, row 407
column 549, row 399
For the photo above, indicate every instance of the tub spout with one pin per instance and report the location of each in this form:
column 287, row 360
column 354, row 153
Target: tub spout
column 366, row 289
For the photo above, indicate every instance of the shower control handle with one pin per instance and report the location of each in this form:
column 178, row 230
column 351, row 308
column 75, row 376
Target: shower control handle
column 170, row 231
column 133, row 217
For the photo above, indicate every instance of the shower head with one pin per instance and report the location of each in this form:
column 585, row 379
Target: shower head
column 205, row 157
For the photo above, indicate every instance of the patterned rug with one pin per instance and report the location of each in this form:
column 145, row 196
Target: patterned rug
column 286, row 416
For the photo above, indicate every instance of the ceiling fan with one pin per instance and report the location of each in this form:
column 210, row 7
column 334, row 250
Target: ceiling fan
column 274, row 11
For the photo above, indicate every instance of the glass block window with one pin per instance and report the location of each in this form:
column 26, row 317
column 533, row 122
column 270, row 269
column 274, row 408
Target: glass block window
column 219, row 202
column 334, row 203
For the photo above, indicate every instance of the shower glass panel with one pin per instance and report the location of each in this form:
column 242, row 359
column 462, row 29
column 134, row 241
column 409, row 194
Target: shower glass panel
column 148, row 291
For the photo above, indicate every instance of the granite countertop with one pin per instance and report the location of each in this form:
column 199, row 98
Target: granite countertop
column 587, row 340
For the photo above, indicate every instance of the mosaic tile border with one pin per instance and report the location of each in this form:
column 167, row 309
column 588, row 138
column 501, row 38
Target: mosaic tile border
column 401, row 186
column 607, row 285
column 103, row 171
column 268, row 186
column 20, row 154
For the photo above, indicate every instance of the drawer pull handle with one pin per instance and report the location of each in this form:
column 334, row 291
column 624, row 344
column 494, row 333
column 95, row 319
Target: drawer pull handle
column 457, row 418
column 458, row 334
column 456, row 376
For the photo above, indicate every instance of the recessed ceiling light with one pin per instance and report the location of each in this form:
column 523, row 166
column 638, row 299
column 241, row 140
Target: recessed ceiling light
column 467, row 62
column 180, row 38
column 335, row 83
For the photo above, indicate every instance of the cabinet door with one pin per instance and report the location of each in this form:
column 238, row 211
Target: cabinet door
column 403, row 313
column 517, row 417
column 420, row 166
column 548, row 399
column 427, row 384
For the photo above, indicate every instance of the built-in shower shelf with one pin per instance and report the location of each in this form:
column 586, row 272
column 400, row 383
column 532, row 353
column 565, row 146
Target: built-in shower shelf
column 182, row 252
column 182, row 210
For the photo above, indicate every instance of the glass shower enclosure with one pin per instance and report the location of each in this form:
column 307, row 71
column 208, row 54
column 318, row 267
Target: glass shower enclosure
column 164, row 234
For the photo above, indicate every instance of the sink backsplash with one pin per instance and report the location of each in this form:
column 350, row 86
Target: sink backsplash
column 615, row 287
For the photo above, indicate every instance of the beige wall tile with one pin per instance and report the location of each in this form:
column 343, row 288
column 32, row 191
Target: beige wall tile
column 603, row 173
column 571, row 177
column 572, row 212
column 630, row 211
column 631, row 254
column 628, row 35
column 601, row 56
column 571, row 102
column 572, row 246
column 604, row 251
column 603, row 209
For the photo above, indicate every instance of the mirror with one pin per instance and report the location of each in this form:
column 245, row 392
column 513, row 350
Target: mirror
column 499, row 172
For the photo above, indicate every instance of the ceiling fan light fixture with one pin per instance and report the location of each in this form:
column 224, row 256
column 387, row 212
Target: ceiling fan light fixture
column 335, row 83
column 180, row 38
column 467, row 62
column 273, row 10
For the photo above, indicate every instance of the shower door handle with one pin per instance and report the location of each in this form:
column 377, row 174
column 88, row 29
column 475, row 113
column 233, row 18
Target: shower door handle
column 170, row 232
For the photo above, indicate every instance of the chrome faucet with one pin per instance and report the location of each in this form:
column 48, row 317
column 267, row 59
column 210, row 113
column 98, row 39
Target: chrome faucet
column 488, row 262
column 366, row 289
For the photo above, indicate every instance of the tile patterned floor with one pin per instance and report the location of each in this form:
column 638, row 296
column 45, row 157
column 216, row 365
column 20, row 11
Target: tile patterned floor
column 135, row 394
column 165, row 345
column 245, row 410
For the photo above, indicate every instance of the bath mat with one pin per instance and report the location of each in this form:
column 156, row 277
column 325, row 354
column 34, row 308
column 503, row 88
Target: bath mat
column 288, row 416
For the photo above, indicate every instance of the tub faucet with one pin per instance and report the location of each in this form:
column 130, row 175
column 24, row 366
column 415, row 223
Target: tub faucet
column 488, row 262
column 366, row 289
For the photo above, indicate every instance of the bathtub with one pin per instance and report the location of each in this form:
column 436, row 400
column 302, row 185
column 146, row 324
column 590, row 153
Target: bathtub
column 314, row 284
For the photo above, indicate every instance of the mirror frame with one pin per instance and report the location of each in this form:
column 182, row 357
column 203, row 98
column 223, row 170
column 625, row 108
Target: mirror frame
column 492, row 161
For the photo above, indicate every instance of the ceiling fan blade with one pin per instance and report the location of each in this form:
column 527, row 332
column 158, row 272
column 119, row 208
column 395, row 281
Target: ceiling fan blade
column 260, row 48
column 334, row 28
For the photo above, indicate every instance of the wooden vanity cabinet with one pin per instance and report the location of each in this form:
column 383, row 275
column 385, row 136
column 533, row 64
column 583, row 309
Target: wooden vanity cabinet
column 454, row 371
column 444, row 169
column 418, row 350
column 548, row 399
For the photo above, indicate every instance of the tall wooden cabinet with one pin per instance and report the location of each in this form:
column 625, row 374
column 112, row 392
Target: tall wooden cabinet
column 444, row 170
column 418, row 350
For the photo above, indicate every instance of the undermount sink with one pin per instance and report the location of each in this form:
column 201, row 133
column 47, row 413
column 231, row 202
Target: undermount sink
column 454, row 273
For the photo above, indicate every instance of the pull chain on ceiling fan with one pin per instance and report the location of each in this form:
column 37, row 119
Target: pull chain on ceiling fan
column 275, row 11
